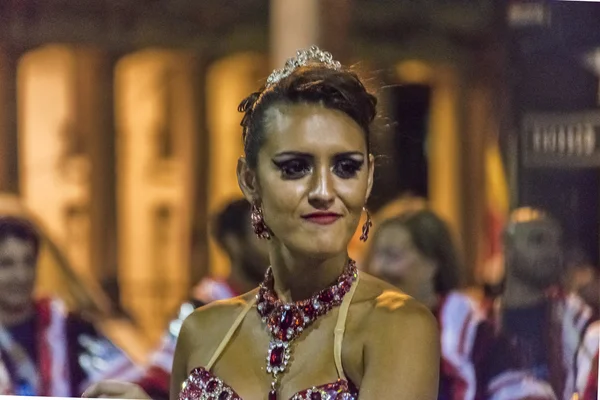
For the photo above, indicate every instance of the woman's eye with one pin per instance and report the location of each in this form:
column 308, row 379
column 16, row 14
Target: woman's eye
column 294, row 169
column 347, row 168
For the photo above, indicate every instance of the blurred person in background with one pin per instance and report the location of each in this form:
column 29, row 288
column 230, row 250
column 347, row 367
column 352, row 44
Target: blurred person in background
column 248, row 255
column 358, row 249
column 47, row 350
column 585, row 373
column 415, row 252
column 548, row 324
column 248, row 258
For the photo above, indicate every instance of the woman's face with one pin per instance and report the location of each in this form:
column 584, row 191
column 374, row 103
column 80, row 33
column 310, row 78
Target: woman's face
column 397, row 260
column 312, row 179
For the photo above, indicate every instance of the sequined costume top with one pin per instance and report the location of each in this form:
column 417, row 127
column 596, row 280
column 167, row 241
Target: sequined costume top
column 202, row 384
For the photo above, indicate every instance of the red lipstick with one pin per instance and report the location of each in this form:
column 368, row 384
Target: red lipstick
column 322, row 218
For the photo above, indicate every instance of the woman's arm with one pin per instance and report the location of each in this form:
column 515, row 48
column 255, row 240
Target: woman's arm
column 402, row 352
column 183, row 349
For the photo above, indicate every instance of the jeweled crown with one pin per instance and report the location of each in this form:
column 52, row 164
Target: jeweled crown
column 303, row 57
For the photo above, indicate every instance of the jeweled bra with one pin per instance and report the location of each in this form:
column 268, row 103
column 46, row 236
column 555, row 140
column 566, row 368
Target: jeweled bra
column 285, row 323
column 202, row 385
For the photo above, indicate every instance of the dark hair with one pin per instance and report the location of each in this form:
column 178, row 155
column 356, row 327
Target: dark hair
column 21, row 229
column 232, row 219
column 313, row 84
column 432, row 238
column 523, row 215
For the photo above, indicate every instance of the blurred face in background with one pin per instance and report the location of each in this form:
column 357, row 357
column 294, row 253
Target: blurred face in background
column 247, row 251
column 398, row 261
column 534, row 253
column 17, row 274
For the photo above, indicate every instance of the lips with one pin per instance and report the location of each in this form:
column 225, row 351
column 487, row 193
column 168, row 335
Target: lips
column 322, row 218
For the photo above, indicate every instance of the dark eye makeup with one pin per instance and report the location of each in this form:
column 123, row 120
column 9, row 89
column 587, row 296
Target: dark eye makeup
column 293, row 168
column 297, row 165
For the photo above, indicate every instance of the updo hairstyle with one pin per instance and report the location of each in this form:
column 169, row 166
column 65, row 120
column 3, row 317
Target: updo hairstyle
column 339, row 89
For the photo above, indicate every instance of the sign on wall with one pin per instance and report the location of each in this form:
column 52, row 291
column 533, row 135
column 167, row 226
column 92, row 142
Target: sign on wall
column 570, row 140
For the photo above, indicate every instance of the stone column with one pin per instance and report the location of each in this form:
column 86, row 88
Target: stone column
column 294, row 25
column 9, row 154
column 300, row 24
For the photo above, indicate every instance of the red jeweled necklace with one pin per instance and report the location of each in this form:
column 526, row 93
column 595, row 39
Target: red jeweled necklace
column 286, row 321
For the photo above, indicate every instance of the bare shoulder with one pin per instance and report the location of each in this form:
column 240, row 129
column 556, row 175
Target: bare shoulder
column 383, row 307
column 212, row 320
column 200, row 335
column 398, row 341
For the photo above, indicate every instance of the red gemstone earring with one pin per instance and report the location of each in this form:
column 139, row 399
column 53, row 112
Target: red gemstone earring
column 366, row 226
column 258, row 223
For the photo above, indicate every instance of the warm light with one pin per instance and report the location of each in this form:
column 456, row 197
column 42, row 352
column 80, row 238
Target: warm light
column 414, row 72
column 54, row 181
column 526, row 214
column 444, row 152
column 154, row 152
column 443, row 149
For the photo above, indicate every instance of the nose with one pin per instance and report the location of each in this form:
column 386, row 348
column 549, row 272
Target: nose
column 322, row 193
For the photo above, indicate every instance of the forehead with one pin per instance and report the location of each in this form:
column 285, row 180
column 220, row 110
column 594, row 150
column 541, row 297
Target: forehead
column 393, row 235
column 11, row 243
column 311, row 128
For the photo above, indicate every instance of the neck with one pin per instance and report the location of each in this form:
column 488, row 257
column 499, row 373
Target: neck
column 518, row 294
column 239, row 278
column 14, row 316
column 298, row 278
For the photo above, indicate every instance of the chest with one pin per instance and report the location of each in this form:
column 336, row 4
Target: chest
column 242, row 364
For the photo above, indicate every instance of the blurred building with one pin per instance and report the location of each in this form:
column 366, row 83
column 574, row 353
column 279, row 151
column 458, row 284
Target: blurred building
column 119, row 129
column 553, row 146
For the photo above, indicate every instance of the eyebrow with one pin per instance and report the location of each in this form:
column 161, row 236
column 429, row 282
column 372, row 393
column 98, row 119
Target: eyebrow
column 308, row 155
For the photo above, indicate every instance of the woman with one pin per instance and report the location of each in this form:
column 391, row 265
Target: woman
column 415, row 252
column 316, row 328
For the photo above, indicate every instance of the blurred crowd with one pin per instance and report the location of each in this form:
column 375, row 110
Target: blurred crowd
column 530, row 332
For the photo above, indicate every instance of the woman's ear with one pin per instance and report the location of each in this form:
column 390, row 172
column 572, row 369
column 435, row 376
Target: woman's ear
column 371, row 172
column 247, row 180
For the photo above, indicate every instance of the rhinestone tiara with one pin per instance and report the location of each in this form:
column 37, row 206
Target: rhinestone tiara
column 303, row 57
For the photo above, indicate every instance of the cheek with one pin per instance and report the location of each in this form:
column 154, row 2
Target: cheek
column 280, row 199
column 6, row 276
column 276, row 193
column 352, row 195
column 353, row 192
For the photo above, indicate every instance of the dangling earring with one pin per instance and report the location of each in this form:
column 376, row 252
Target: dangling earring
column 366, row 226
column 258, row 223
